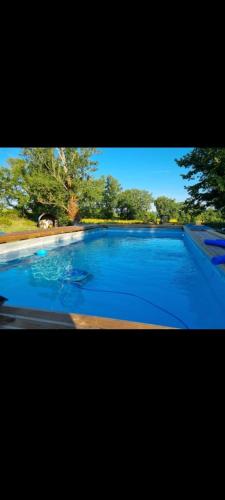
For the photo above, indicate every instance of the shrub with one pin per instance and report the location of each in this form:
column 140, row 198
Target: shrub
column 150, row 217
column 64, row 220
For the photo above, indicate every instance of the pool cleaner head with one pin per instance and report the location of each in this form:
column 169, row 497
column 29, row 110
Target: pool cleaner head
column 77, row 276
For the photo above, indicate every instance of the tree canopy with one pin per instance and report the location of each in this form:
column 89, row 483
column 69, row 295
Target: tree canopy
column 166, row 207
column 134, row 203
column 91, row 197
column 47, row 177
column 207, row 171
column 112, row 189
column 61, row 181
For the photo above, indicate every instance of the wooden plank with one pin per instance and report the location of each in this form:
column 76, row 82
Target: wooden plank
column 26, row 235
column 97, row 322
column 15, row 317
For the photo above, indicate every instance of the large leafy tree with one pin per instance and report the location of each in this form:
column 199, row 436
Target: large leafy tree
column 110, row 198
column 91, row 197
column 206, row 171
column 12, row 185
column 134, row 203
column 166, row 207
column 48, row 179
column 184, row 215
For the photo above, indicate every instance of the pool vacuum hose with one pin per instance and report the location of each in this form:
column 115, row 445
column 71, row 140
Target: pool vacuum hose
column 138, row 297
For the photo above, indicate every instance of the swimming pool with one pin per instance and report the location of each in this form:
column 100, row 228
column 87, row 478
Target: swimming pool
column 152, row 276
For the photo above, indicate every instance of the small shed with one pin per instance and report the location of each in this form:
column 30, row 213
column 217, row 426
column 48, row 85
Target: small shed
column 46, row 221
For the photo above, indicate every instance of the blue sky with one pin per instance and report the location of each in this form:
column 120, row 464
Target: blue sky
column 153, row 169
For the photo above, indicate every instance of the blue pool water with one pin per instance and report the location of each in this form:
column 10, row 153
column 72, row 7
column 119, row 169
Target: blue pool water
column 151, row 276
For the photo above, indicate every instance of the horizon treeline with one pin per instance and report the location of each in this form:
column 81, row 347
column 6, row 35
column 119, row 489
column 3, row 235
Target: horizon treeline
column 60, row 181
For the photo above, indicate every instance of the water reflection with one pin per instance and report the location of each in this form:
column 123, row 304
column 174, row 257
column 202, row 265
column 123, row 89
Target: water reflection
column 51, row 269
column 59, row 276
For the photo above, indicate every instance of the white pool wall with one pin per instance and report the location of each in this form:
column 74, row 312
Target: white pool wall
column 24, row 248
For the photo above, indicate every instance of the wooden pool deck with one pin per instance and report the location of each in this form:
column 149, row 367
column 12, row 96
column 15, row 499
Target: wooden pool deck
column 17, row 318
column 37, row 233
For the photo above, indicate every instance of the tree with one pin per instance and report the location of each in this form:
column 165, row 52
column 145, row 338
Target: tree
column 91, row 197
column 12, row 187
column 48, row 177
column 134, row 203
column 184, row 214
column 166, row 208
column 207, row 170
column 110, row 196
column 149, row 217
column 210, row 215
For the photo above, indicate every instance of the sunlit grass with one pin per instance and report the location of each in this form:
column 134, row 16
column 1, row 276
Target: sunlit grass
column 17, row 224
column 116, row 221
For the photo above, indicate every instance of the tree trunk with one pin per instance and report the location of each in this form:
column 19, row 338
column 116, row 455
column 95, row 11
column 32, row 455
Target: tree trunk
column 73, row 209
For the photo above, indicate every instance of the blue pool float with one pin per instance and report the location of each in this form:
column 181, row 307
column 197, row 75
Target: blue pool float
column 216, row 243
column 218, row 259
column 41, row 252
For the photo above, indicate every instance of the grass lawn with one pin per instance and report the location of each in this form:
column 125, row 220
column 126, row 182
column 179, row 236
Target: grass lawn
column 17, row 224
